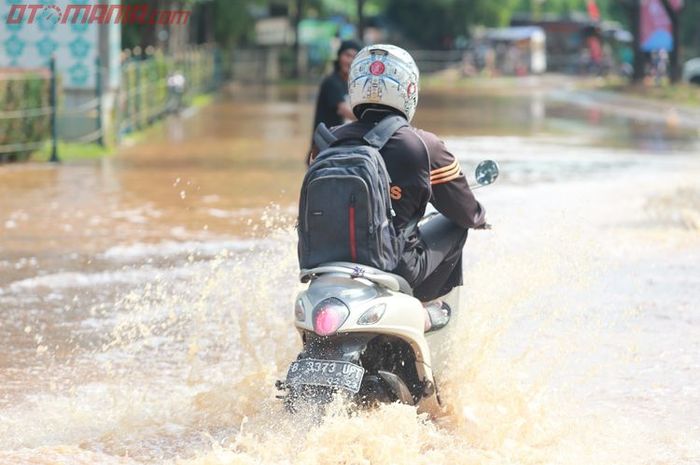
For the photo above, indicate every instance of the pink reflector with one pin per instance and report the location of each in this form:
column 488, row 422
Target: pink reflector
column 328, row 320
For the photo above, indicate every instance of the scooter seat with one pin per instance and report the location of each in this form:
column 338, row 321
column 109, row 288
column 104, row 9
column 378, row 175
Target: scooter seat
column 390, row 281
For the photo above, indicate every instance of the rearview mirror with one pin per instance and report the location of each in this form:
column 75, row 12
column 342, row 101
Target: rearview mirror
column 486, row 172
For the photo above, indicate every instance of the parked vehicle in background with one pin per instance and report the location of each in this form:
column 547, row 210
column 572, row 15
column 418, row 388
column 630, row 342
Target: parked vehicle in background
column 516, row 50
column 691, row 71
column 176, row 90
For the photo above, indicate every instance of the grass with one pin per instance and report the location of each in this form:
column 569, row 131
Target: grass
column 681, row 94
column 202, row 100
column 72, row 151
column 76, row 151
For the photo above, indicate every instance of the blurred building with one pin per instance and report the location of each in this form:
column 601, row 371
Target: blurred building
column 572, row 43
column 514, row 50
column 277, row 52
column 76, row 45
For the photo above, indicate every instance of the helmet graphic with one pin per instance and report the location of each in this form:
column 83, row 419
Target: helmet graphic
column 384, row 75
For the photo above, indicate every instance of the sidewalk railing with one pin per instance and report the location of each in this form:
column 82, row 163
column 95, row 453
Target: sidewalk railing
column 33, row 113
column 26, row 112
column 144, row 95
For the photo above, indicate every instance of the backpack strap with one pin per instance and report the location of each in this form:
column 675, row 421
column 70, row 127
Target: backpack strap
column 379, row 135
column 323, row 137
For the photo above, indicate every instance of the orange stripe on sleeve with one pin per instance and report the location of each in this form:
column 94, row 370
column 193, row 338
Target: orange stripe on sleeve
column 446, row 174
column 449, row 167
column 447, row 179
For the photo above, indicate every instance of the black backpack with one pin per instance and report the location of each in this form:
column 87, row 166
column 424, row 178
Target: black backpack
column 345, row 209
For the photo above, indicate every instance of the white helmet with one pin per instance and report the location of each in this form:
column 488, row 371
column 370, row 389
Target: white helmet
column 384, row 75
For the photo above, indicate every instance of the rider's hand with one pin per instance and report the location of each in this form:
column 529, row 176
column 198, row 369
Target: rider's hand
column 484, row 226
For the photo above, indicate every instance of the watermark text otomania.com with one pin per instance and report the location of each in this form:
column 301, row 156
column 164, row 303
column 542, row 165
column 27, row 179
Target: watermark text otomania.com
column 95, row 14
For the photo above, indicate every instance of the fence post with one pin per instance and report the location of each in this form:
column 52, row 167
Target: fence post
column 53, row 104
column 98, row 94
column 137, row 95
column 218, row 69
column 118, row 108
column 131, row 101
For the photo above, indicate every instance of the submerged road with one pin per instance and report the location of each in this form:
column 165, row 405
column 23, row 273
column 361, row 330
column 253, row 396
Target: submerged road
column 145, row 298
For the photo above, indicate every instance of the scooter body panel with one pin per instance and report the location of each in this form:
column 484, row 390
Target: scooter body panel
column 403, row 317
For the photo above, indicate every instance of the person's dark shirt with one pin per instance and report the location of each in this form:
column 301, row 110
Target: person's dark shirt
column 334, row 90
column 422, row 170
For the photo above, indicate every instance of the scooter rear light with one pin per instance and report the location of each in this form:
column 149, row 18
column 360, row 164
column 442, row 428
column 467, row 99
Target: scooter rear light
column 329, row 315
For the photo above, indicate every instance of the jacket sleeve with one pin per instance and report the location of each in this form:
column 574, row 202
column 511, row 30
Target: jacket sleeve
column 451, row 194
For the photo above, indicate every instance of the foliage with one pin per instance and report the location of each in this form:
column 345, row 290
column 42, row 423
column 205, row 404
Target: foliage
column 144, row 82
column 233, row 22
column 438, row 23
column 427, row 23
column 619, row 10
column 28, row 92
column 690, row 32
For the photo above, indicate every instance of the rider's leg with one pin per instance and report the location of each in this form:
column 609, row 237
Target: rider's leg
column 435, row 266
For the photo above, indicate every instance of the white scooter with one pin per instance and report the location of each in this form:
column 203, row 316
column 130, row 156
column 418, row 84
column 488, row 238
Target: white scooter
column 363, row 336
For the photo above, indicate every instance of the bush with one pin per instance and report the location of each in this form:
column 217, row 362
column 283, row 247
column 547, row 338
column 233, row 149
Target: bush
column 28, row 91
column 145, row 96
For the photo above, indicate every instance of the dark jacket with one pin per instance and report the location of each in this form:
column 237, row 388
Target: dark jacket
column 333, row 91
column 422, row 170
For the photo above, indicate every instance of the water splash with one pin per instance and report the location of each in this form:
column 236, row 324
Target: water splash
column 184, row 366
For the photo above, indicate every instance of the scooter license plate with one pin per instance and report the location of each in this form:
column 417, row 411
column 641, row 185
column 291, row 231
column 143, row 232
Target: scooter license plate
column 332, row 373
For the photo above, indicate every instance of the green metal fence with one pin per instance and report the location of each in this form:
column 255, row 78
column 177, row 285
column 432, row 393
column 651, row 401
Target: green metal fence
column 144, row 95
column 33, row 114
column 26, row 112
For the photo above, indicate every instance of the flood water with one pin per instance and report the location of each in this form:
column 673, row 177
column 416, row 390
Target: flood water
column 145, row 299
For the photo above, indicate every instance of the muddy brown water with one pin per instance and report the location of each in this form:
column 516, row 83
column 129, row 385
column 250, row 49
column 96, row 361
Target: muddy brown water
column 145, row 298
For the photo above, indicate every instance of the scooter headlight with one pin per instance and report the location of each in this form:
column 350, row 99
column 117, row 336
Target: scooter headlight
column 329, row 315
column 372, row 315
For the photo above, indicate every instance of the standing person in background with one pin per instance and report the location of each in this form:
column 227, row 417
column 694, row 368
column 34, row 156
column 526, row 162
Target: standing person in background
column 332, row 106
column 176, row 91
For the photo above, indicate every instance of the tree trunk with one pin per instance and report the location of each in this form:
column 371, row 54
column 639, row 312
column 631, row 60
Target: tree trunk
column 148, row 36
column 675, row 17
column 361, row 20
column 211, row 23
column 297, row 20
column 635, row 17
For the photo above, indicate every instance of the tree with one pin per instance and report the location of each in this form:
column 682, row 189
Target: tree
column 360, row 19
column 674, row 16
column 690, row 32
column 690, row 16
column 134, row 34
column 632, row 12
column 233, row 22
column 437, row 23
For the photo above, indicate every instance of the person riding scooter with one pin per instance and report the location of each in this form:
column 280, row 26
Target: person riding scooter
column 383, row 82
